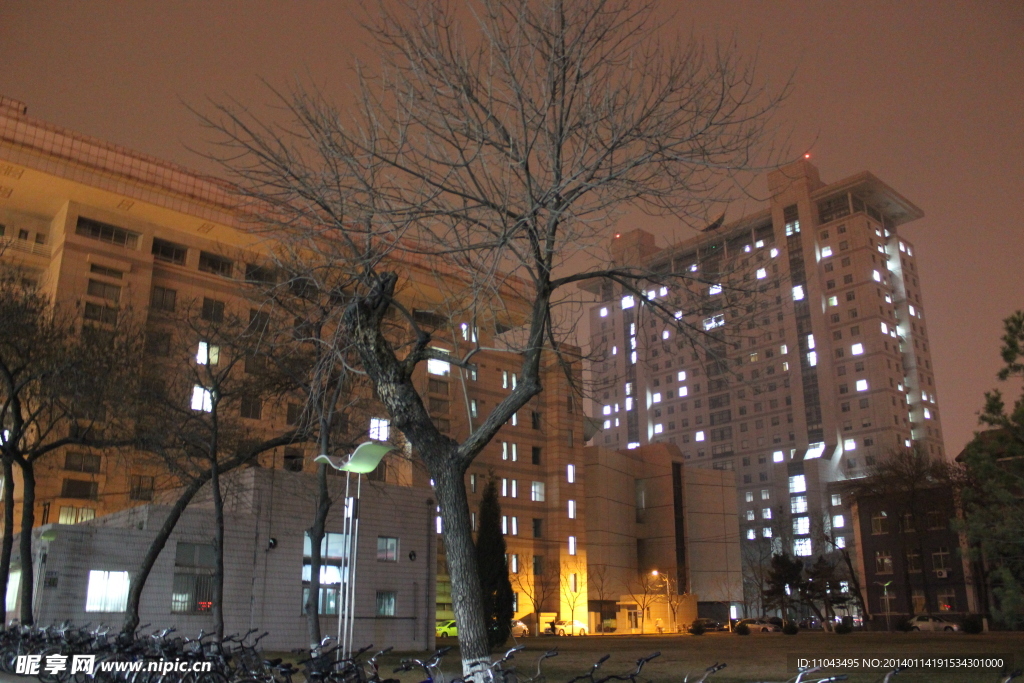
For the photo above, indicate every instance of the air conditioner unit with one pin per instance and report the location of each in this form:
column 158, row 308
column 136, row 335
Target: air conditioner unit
column 942, row 573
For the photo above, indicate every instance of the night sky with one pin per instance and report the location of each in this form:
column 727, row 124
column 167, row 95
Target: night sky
column 929, row 96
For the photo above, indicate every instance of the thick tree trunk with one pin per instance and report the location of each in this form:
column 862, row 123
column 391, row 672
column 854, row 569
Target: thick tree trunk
column 467, row 598
column 28, row 518
column 131, row 613
column 8, row 540
column 218, row 551
column 316, row 536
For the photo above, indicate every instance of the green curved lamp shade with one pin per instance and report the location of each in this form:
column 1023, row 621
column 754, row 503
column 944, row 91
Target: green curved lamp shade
column 364, row 458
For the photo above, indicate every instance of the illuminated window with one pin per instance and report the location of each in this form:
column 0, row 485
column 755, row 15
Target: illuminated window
column 572, row 509
column 628, row 302
column 761, row 273
column 857, row 349
column 202, row 399
column 778, row 456
column 572, row 545
column 715, row 289
column 774, row 253
column 656, row 398
column 699, row 436
column 850, row 445
column 833, row 301
column 798, row 293
column 801, row 525
column 802, row 547
column 604, row 312
column 826, row 252
column 812, row 358
column 751, row 535
column 838, row 521
column 537, row 492
column 862, row 385
column 798, row 505
column 658, row 429
column 570, row 473
column 876, row 276
column 380, row 429
column 797, row 484
column 681, row 375
column 207, row 354
column 106, row 591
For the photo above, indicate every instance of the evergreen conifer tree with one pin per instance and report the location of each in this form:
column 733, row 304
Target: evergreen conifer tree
column 493, row 567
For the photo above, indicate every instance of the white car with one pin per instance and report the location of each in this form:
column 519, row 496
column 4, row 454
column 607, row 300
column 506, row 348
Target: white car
column 519, row 629
column 569, row 628
column 923, row 622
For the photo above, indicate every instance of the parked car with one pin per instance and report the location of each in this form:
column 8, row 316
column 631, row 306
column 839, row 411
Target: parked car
column 924, row 622
column 710, row 624
column 447, row 629
column 519, row 629
column 760, row 625
column 569, row 628
column 810, row 623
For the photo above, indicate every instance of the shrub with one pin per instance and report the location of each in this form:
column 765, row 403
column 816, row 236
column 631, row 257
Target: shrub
column 742, row 630
column 843, row 628
column 790, row 629
column 697, row 628
column 973, row 624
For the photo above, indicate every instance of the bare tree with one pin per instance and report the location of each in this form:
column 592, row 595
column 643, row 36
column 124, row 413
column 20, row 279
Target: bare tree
column 572, row 586
column 643, row 590
column 599, row 582
column 539, row 586
column 62, row 382
column 193, row 411
column 490, row 156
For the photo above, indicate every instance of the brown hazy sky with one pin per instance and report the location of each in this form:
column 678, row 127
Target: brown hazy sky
column 929, row 96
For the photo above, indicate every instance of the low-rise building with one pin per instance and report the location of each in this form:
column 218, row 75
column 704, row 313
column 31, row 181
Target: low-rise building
column 84, row 570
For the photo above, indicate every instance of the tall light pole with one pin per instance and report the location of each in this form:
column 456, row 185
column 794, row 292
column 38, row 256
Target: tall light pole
column 363, row 460
column 668, row 599
column 885, row 592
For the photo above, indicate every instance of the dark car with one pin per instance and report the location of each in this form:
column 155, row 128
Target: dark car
column 709, row 624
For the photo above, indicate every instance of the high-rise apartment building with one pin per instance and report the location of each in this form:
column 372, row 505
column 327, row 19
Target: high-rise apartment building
column 798, row 354
column 99, row 228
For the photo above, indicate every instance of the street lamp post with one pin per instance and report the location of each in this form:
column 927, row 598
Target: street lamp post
column 885, row 592
column 668, row 599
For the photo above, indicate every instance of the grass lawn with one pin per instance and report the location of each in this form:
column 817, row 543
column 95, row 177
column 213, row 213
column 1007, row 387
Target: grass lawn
column 757, row 657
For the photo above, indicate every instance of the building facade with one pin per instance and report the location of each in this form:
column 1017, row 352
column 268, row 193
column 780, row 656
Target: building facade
column 101, row 229
column 657, row 531
column 798, row 354
column 910, row 560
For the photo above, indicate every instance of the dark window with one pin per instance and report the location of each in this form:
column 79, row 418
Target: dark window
column 158, row 343
column 82, row 462
column 385, row 603
column 258, row 321
column 387, row 549
column 104, row 290
column 538, row 528
column 260, row 274
column 437, row 386
column 538, row 565
column 141, row 487
column 106, row 272
column 535, row 455
column 104, row 232
column 100, row 314
column 76, row 488
column 163, row 299
column 211, row 263
column 193, row 578
column 251, row 408
column 535, row 419
column 213, row 310
column 438, row 405
column 169, row 252
column 294, row 413
column 254, row 365
column 293, row 458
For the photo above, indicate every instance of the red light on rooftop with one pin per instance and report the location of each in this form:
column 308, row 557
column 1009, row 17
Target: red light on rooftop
column 618, row 235
column 807, row 156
